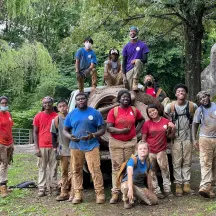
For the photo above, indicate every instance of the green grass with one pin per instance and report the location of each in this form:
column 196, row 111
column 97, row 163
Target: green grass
column 25, row 202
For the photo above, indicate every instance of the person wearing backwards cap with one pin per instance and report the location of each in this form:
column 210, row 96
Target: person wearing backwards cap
column 47, row 163
column 112, row 69
column 134, row 56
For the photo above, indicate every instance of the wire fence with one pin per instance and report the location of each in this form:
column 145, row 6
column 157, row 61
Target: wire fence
column 22, row 136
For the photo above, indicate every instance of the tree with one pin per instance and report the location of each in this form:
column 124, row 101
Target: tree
column 189, row 16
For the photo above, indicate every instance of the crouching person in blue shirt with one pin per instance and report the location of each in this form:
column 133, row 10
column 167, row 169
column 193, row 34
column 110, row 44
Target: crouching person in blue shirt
column 137, row 181
column 83, row 126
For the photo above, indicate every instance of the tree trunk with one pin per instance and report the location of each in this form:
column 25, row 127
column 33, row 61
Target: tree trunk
column 193, row 52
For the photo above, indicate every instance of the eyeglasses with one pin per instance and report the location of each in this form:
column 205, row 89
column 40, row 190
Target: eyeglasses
column 4, row 103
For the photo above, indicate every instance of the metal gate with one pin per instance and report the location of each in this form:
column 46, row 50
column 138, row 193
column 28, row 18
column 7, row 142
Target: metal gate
column 22, row 136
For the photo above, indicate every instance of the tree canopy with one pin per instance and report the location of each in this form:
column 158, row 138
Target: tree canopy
column 39, row 40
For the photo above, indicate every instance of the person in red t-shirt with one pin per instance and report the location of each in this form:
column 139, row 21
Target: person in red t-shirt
column 152, row 88
column 121, row 123
column 44, row 150
column 6, row 144
column 154, row 132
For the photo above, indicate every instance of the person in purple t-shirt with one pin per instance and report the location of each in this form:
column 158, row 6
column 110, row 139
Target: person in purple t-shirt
column 134, row 56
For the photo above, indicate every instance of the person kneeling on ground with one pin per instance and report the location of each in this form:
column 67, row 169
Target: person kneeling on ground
column 112, row 69
column 137, row 181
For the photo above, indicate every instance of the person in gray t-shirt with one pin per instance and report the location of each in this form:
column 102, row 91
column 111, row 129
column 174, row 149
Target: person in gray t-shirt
column 182, row 112
column 61, row 148
column 205, row 116
column 112, row 69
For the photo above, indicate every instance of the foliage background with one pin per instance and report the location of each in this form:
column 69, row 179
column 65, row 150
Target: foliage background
column 39, row 39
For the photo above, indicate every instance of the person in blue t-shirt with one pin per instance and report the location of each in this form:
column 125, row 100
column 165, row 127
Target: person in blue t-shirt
column 83, row 126
column 137, row 181
column 85, row 64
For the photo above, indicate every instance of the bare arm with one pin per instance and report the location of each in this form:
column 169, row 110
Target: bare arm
column 171, row 130
column 195, row 127
column 77, row 65
column 144, row 58
column 124, row 62
column 100, row 132
column 66, row 132
column 130, row 182
column 139, row 125
column 92, row 65
column 54, row 140
column 112, row 129
column 35, row 134
column 144, row 137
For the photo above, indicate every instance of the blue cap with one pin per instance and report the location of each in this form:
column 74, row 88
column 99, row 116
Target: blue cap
column 134, row 28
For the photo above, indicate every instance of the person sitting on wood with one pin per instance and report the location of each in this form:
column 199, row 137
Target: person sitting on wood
column 112, row 69
column 152, row 88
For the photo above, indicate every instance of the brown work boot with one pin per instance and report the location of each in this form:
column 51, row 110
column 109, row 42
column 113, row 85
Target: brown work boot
column 3, row 190
column 179, row 191
column 70, row 199
column 41, row 193
column 100, row 197
column 160, row 195
column 187, row 189
column 77, row 197
column 168, row 194
column 62, row 197
column 207, row 192
column 127, row 205
column 114, row 199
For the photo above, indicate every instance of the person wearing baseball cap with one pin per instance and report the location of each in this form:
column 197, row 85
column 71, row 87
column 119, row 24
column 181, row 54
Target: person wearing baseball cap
column 112, row 69
column 134, row 56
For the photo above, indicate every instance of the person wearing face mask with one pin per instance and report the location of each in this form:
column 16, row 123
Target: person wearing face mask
column 112, row 69
column 153, row 89
column 85, row 65
column 134, row 56
column 6, row 144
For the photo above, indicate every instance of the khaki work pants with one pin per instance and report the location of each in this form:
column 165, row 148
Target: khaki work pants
column 207, row 147
column 5, row 155
column 160, row 159
column 181, row 158
column 113, row 79
column 47, row 165
column 133, row 75
column 120, row 151
column 93, row 161
column 66, row 181
column 143, row 194
column 93, row 74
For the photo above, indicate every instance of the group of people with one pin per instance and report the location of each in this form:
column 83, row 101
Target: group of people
column 72, row 137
